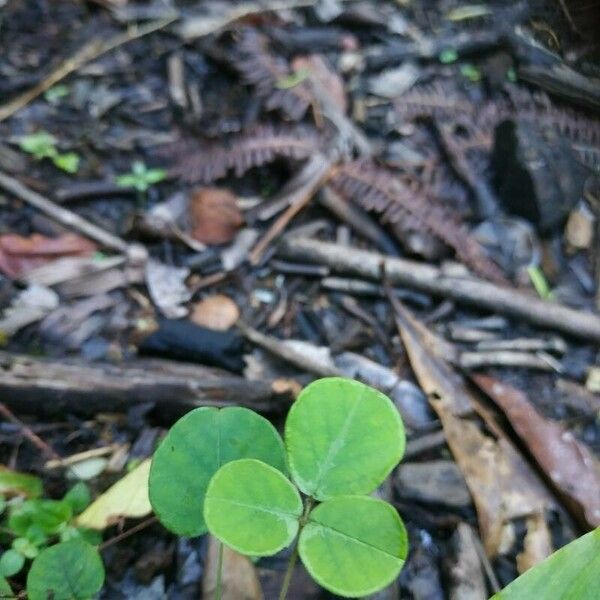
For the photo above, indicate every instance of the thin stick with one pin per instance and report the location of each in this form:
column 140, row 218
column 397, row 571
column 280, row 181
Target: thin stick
column 427, row 278
column 89, row 52
column 35, row 439
column 122, row 536
column 218, row 582
column 62, row 215
column 304, row 185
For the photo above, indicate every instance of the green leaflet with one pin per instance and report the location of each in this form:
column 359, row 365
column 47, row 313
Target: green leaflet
column 354, row 545
column 252, row 507
column 342, row 437
column 67, row 571
column 192, row 452
column 5, row 590
column 571, row 573
column 19, row 484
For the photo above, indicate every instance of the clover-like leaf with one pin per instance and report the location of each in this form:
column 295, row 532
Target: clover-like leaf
column 342, row 437
column 571, row 573
column 11, row 562
column 252, row 507
column 353, row 545
column 67, row 571
column 193, row 451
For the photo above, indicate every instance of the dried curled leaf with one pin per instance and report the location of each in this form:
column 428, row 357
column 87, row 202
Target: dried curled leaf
column 380, row 191
column 503, row 485
column 215, row 215
column 206, row 162
column 569, row 464
column 19, row 255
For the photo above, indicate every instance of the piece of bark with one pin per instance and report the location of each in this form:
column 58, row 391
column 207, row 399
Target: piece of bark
column 466, row 577
column 40, row 386
column 568, row 464
column 545, row 195
column 468, row 290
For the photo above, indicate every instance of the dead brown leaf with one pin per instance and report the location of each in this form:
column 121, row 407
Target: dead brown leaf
column 240, row 581
column 215, row 215
column 537, row 544
column 216, row 312
column 19, row 255
column 568, row 464
column 502, row 484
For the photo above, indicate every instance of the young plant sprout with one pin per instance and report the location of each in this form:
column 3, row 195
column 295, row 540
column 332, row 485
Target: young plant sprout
column 43, row 145
column 141, row 178
column 227, row 472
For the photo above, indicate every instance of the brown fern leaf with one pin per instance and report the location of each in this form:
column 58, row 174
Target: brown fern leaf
column 436, row 100
column 205, row 162
column 264, row 70
column 577, row 126
column 381, row 191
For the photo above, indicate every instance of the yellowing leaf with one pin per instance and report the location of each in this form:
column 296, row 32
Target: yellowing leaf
column 126, row 498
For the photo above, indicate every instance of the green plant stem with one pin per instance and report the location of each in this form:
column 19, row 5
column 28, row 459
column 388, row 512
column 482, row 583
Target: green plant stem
column 219, row 572
column 294, row 556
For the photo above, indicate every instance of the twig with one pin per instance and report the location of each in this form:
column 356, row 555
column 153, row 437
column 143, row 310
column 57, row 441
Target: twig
column 36, row 440
column 89, row 52
column 487, row 201
column 283, row 351
column 430, row 279
column 62, row 215
column 118, row 538
column 302, row 189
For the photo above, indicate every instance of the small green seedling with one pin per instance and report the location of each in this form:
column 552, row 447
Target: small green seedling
column 540, row 283
column 141, row 178
column 226, row 472
column 32, row 524
column 43, row 145
column 293, row 79
column 56, row 93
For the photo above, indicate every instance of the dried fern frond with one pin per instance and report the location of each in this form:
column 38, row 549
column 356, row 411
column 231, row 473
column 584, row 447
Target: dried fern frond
column 437, row 100
column 577, row 126
column 265, row 71
column 397, row 201
column 442, row 101
column 205, row 162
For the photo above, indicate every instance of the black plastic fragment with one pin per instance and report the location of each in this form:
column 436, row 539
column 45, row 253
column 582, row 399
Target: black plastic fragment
column 185, row 341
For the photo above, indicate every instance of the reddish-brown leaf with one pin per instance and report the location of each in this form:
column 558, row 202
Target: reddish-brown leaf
column 568, row 464
column 19, row 255
column 215, row 215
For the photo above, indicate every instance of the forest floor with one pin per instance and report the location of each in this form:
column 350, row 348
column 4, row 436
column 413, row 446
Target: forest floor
column 214, row 203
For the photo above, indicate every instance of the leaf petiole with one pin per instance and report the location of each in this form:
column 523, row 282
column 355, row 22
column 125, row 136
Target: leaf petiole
column 219, row 572
column 294, row 556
